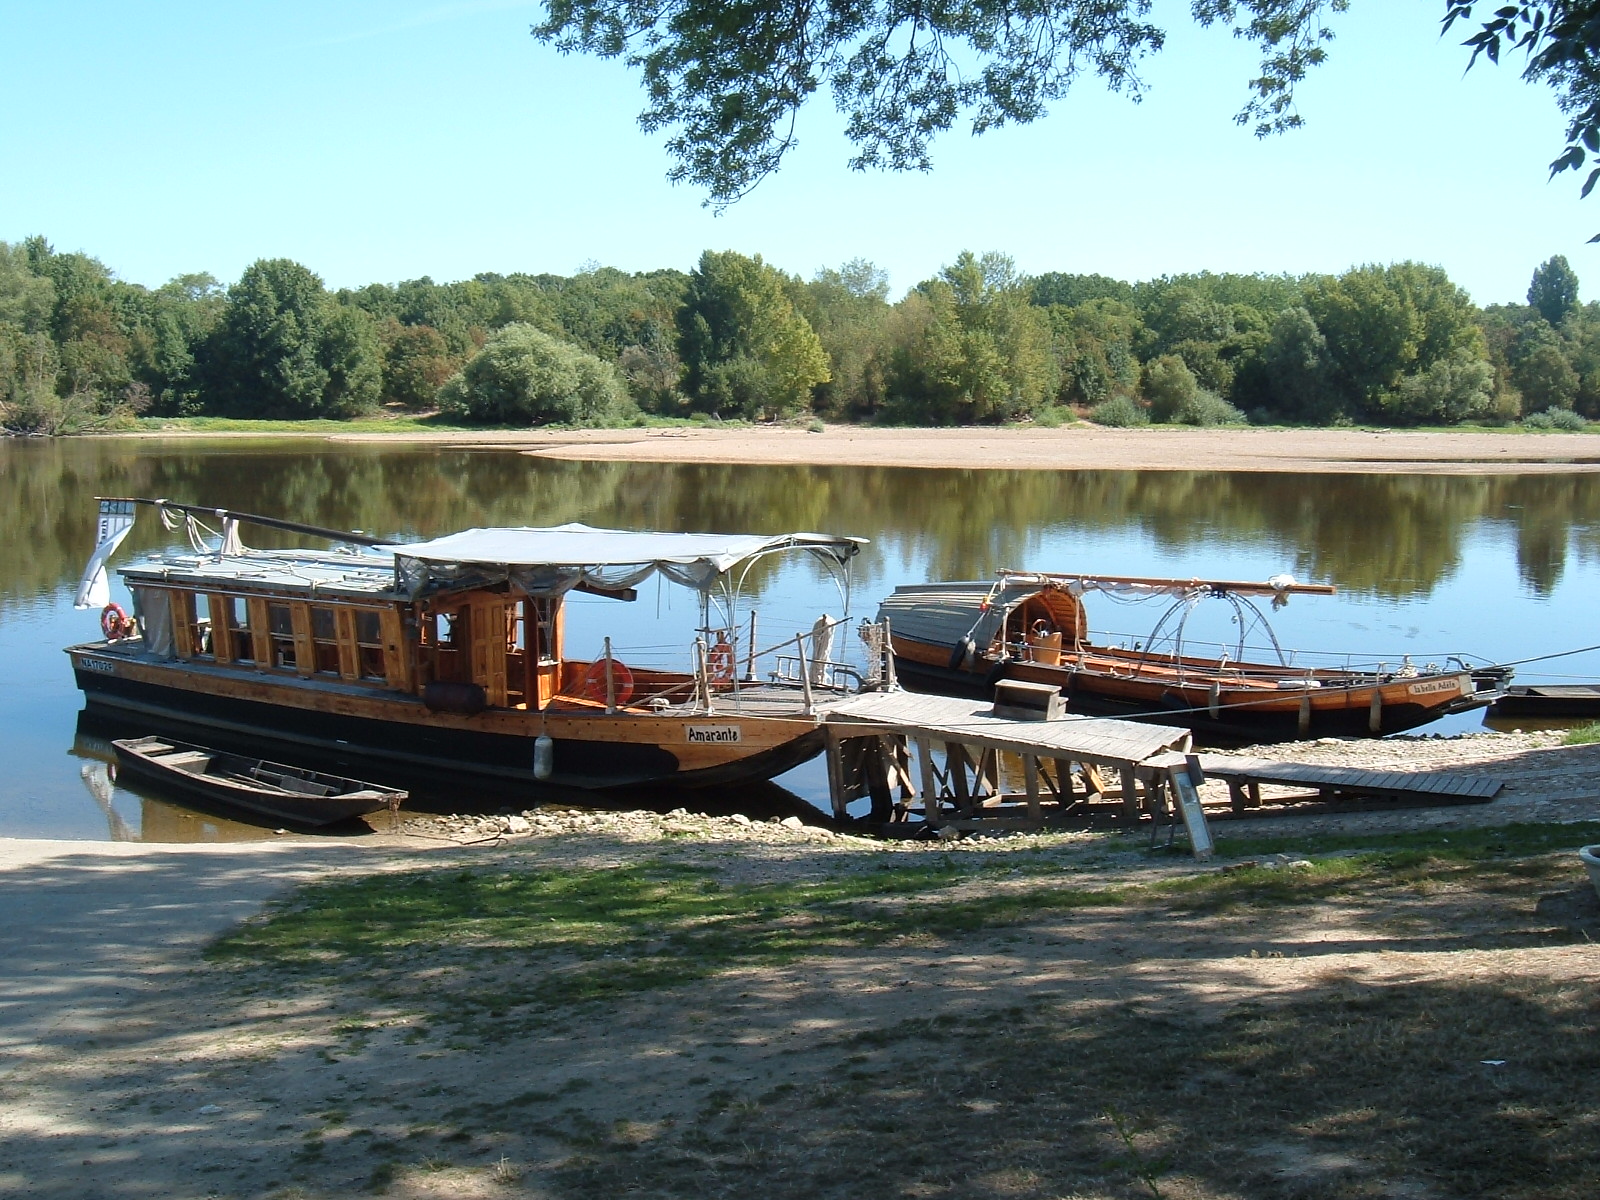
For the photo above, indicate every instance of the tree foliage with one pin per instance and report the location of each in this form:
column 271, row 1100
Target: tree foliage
column 746, row 350
column 285, row 349
column 1554, row 289
column 523, row 376
column 730, row 79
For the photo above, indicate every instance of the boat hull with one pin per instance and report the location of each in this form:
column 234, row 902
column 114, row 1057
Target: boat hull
column 1239, row 717
column 222, row 782
column 1535, row 700
column 393, row 737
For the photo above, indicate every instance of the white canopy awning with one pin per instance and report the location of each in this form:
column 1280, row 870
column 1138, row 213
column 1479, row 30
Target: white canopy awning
column 547, row 562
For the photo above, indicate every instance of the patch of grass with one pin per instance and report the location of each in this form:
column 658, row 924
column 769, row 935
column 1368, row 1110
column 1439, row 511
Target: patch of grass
column 1463, row 845
column 1582, row 735
column 440, row 938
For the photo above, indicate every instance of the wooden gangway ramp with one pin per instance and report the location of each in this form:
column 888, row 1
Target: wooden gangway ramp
column 935, row 763
column 1347, row 786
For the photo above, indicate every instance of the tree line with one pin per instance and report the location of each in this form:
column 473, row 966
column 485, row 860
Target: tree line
column 737, row 338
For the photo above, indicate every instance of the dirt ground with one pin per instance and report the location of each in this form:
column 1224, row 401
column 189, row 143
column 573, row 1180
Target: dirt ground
column 920, row 1067
column 1080, row 447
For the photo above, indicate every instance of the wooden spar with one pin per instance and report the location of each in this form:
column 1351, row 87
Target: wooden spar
column 1240, row 587
column 227, row 514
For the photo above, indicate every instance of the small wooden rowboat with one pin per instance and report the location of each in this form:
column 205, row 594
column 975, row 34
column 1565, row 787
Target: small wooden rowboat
column 284, row 793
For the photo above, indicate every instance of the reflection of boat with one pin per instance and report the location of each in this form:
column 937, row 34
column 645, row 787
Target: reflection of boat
column 284, row 793
column 1549, row 700
column 963, row 637
column 448, row 656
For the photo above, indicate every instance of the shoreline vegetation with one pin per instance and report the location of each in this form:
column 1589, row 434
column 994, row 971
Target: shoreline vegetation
column 979, row 345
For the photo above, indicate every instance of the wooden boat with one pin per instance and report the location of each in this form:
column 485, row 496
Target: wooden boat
column 962, row 638
column 268, row 789
column 446, row 659
column 1548, row 700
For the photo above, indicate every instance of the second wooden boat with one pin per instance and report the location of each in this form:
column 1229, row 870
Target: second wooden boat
column 277, row 790
column 964, row 637
column 1549, row 700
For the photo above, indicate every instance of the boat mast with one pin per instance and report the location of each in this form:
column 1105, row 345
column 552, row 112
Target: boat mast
column 228, row 514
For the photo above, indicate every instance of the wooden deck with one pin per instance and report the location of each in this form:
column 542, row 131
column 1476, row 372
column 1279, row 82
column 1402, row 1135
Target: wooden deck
column 1245, row 777
column 936, row 764
column 959, row 782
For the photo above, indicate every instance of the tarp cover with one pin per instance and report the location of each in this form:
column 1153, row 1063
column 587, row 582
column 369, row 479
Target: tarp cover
column 548, row 562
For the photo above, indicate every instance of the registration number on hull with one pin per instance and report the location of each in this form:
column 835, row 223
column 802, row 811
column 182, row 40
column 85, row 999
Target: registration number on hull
column 713, row 735
column 98, row 666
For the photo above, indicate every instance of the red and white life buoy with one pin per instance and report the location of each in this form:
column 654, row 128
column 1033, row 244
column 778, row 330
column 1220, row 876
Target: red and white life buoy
column 593, row 684
column 719, row 663
column 115, row 623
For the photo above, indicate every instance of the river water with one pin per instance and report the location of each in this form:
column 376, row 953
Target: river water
column 1500, row 567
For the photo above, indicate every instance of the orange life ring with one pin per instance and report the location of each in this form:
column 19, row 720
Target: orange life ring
column 593, row 684
column 115, row 623
column 719, row 663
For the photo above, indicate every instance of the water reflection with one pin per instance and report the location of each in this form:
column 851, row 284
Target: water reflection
column 1499, row 566
column 1391, row 536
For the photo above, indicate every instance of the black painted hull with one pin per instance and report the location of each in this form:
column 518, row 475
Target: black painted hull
column 400, row 754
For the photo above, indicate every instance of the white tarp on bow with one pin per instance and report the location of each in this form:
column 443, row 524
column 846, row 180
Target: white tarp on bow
column 116, row 518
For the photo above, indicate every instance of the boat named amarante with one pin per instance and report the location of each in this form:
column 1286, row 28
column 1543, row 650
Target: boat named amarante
column 448, row 655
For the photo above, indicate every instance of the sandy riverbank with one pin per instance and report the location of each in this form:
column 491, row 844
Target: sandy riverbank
column 1075, row 448
column 158, row 1073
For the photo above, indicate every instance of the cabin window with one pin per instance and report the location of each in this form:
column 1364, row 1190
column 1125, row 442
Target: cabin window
column 369, row 644
column 235, row 618
column 280, row 626
column 325, row 640
column 191, row 632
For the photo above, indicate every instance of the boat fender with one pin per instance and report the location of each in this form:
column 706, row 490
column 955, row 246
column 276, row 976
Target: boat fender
column 544, row 756
column 962, row 656
column 465, row 699
column 996, row 674
column 114, row 622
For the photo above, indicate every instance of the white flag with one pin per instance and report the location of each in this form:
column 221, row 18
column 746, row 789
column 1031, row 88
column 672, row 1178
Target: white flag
column 116, row 518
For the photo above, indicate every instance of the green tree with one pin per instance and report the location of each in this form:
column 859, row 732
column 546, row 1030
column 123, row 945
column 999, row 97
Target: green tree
column 1554, row 290
column 1383, row 323
column 1296, row 376
column 524, row 376
column 1169, row 386
column 849, row 309
column 285, row 349
column 1451, row 389
column 1545, row 378
column 979, row 351
column 746, row 350
column 416, row 364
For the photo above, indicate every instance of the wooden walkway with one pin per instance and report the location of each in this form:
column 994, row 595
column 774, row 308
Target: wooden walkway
column 936, row 764
column 1069, row 766
column 1245, row 777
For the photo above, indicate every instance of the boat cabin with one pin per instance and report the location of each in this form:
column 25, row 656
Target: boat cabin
column 465, row 622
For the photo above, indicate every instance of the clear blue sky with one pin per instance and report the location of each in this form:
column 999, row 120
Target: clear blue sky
column 379, row 141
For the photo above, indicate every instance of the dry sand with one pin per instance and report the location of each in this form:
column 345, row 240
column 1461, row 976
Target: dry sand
column 1071, row 448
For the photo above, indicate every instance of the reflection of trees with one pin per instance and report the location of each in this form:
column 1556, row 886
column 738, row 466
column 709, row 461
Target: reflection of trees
column 1396, row 536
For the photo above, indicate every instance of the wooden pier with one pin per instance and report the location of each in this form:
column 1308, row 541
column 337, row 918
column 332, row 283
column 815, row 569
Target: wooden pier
column 1069, row 766
column 945, row 765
